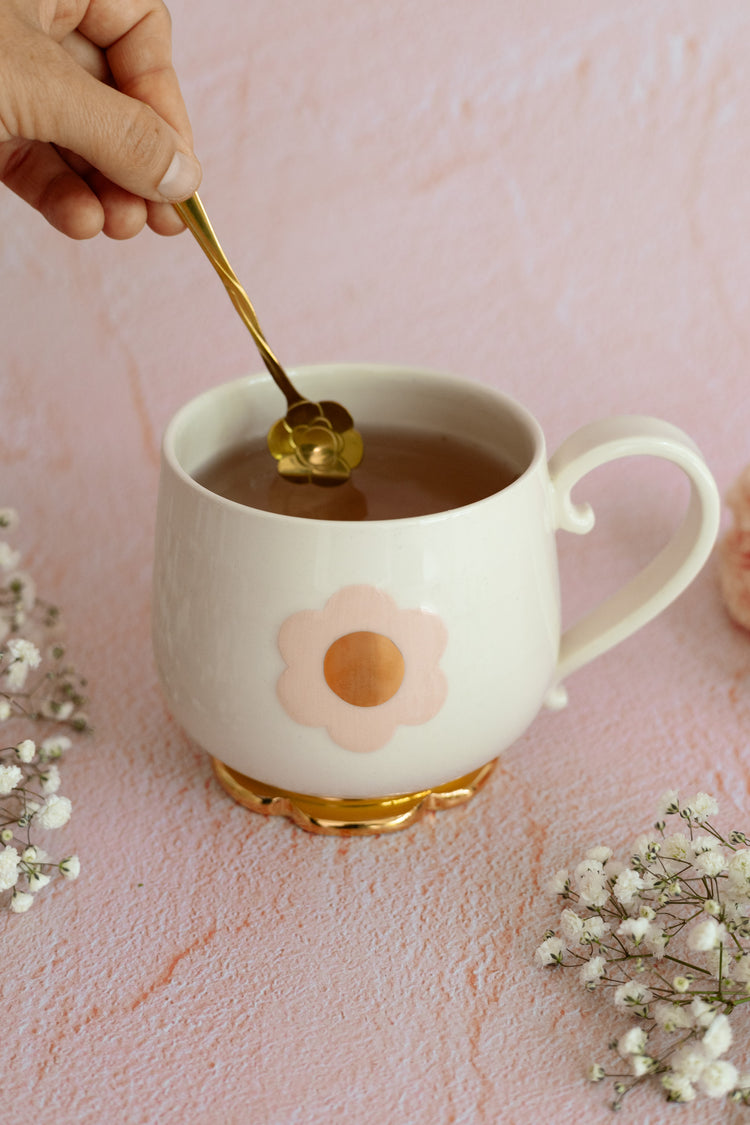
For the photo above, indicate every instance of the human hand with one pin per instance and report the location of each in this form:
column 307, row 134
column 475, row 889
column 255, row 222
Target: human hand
column 93, row 130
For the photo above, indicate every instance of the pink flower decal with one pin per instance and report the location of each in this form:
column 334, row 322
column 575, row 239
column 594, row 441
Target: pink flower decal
column 361, row 666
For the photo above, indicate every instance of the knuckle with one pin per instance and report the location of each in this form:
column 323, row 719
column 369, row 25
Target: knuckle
column 143, row 140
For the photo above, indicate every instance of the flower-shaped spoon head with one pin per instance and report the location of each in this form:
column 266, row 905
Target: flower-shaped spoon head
column 316, row 442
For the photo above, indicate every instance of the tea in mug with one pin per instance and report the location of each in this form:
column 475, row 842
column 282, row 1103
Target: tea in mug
column 404, row 472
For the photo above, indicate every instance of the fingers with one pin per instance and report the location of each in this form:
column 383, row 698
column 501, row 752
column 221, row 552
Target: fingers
column 108, row 94
column 137, row 38
column 39, row 175
column 53, row 98
column 125, row 139
column 87, row 55
column 78, row 201
column 163, row 219
column 122, row 218
column 125, row 214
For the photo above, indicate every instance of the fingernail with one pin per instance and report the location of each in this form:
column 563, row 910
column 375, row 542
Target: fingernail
column 181, row 177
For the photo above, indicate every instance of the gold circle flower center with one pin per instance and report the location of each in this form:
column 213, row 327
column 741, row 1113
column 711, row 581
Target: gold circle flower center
column 364, row 668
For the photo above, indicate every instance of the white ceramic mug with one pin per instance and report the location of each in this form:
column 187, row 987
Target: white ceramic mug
column 249, row 606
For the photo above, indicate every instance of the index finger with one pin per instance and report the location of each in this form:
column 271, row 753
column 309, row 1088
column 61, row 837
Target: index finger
column 137, row 38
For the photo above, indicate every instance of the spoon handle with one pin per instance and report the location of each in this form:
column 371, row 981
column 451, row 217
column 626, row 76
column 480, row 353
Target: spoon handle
column 196, row 220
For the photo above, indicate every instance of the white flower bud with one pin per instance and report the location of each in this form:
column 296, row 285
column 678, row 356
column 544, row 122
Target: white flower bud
column 26, row 750
column 70, row 868
column 37, row 880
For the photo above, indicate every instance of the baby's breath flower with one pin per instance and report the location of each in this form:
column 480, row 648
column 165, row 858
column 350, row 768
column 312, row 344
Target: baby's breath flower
column 683, row 901
column 677, row 846
column 632, row 1042
column 741, row 969
column 678, row 1088
column 671, row 1016
column 50, row 779
column 9, row 559
column 26, row 750
column 596, row 1073
column 591, row 883
column 627, row 885
column 717, row 1078
column 37, row 880
column 710, row 863
column 592, row 971
column 54, row 746
column 700, row 808
column 55, row 709
column 738, row 874
column 688, row 1062
column 9, row 867
column 669, row 803
column 559, row 884
column 641, row 1064
column 70, row 868
column 23, row 588
column 706, row 935
column 634, row 928
column 54, row 813
column 551, row 951
column 646, row 848
column 594, row 930
column 702, row 1012
column 571, row 925
column 10, row 776
column 632, row 994
column 23, row 652
column 656, row 941
column 29, row 775
column 717, row 1038
column 21, row 901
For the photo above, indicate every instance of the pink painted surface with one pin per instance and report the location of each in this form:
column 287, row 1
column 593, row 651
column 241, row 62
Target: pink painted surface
column 550, row 198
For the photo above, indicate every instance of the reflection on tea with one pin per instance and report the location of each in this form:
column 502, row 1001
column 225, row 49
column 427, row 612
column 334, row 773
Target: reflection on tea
column 405, row 472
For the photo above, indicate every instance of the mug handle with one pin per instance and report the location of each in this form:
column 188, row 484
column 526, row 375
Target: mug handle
column 668, row 574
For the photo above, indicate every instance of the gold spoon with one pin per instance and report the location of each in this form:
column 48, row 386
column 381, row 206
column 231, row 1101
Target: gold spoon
column 315, row 441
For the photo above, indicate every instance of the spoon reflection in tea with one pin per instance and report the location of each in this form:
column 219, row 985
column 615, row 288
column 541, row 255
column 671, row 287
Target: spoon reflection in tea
column 314, row 441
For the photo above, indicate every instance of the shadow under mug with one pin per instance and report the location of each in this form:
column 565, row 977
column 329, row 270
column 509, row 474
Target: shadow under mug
column 251, row 607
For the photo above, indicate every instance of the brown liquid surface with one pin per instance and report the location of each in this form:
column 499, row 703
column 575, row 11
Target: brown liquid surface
column 403, row 473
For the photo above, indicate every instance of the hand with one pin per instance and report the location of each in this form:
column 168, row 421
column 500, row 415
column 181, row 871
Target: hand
column 93, row 130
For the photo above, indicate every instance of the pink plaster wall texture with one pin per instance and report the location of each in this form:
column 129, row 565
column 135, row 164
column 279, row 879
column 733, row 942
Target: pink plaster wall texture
column 549, row 198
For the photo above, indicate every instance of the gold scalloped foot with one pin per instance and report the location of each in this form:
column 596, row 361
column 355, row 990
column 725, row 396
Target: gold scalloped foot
column 334, row 816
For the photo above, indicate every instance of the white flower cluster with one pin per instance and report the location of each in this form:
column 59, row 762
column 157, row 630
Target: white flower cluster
column 29, row 772
column 667, row 938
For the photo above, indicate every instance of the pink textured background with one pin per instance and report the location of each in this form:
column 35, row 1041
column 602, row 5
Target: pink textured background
column 551, row 198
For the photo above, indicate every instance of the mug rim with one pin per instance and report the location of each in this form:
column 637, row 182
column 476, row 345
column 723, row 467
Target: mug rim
column 521, row 415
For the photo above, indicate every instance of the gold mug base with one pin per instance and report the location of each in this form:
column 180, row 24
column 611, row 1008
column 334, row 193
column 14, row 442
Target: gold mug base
column 336, row 816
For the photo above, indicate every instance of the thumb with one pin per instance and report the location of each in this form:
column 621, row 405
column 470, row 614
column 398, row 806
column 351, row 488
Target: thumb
column 122, row 137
